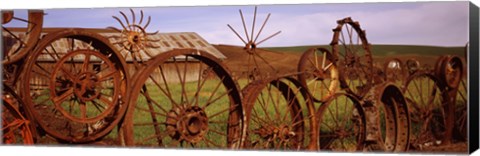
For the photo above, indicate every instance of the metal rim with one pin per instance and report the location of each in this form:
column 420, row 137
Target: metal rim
column 315, row 65
column 394, row 70
column 27, row 41
column 15, row 125
column 184, row 118
column 352, row 56
column 451, row 71
column 37, row 97
column 93, row 88
column 424, row 96
column 335, row 130
column 275, row 117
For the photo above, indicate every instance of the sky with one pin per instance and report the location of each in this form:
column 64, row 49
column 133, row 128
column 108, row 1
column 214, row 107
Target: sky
column 408, row 23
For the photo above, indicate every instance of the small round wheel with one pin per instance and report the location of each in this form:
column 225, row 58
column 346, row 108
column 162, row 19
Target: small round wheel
column 275, row 117
column 89, row 89
column 15, row 125
column 342, row 124
column 394, row 70
column 424, row 98
column 184, row 98
column 318, row 74
column 451, row 71
column 16, row 45
column 413, row 66
column 75, row 85
column 133, row 40
column 352, row 55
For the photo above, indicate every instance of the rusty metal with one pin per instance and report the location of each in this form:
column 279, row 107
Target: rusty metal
column 274, row 115
column 352, row 55
column 342, row 124
column 318, row 74
column 388, row 119
column 184, row 98
column 15, row 125
column 394, row 70
column 134, row 39
column 424, row 96
column 20, row 44
column 255, row 59
column 75, row 85
column 413, row 66
column 449, row 70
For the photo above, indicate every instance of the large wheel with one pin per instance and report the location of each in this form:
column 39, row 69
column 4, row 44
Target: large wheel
column 352, row 54
column 15, row 125
column 424, row 97
column 75, row 85
column 16, row 45
column 279, row 116
column 318, row 74
column 184, row 98
column 342, row 124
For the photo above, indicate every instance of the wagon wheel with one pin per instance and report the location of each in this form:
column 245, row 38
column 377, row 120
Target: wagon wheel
column 257, row 65
column 342, row 124
column 275, row 117
column 15, row 125
column 413, row 66
column 461, row 112
column 394, row 70
column 451, row 71
column 184, row 98
column 75, row 85
column 134, row 41
column 424, row 98
column 351, row 51
column 318, row 74
column 17, row 45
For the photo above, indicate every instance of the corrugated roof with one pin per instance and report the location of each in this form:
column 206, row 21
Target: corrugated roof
column 163, row 42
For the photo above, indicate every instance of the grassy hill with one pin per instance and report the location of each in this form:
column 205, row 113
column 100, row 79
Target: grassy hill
column 285, row 59
column 385, row 50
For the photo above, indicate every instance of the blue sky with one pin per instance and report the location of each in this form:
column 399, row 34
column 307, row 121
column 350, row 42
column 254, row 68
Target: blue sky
column 413, row 23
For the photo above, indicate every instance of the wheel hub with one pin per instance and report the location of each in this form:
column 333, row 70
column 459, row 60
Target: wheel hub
column 85, row 86
column 282, row 132
column 190, row 124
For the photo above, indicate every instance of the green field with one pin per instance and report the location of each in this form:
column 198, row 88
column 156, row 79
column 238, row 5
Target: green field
column 385, row 50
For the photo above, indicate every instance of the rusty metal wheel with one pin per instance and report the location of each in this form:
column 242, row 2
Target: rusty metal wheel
column 18, row 41
column 461, row 112
column 184, row 98
column 279, row 116
column 352, row 56
column 424, row 97
column 388, row 119
column 413, row 66
column 342, row 124
column 15, row 124
column 451, row 71
column 394, row 70
column 318, row 74
column 257, row 65
column 133, row 39
column 75, row 85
